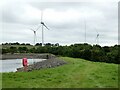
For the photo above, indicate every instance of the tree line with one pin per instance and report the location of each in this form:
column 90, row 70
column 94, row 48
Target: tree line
column 108, row 54
column 28, row 44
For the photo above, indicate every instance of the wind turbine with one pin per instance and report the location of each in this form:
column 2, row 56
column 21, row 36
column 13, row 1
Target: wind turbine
column 34, row 31
column 85, row 29
column 43, row 25
column 97, row 37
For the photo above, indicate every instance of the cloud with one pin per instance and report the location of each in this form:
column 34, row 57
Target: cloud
column 66, row 21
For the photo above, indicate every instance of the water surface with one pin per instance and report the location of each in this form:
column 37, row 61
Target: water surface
column 11, row 65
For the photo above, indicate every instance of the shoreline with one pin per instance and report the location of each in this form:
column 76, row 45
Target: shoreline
column 48, row 63
column 27, row 55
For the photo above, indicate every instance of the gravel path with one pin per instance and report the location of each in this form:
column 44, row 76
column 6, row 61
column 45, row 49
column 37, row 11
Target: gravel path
column 49, row 63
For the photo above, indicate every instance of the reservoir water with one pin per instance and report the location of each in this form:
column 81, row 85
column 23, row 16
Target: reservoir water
column 11, row 65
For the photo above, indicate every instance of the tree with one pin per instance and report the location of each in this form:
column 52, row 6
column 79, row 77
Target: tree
column 106, row 49
column 57, row 44
column 22, row 49
column 13, row 50
column 16, row 43
column 5, row 50
column 27, row 44
column 48, row 44
column 32, row 50
column 38, row 44
column 86, row 54
column 23, row 44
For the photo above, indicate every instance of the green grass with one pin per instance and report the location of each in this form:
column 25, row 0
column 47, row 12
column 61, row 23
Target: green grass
column 0, row 80
column 8, row 46
column 78, row 73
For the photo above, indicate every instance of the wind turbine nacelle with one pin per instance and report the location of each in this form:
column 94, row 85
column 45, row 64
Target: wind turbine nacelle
column 42, row 23
column 97, row 35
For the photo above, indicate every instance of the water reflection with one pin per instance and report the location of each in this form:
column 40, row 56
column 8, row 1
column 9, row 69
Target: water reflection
column 11, row 65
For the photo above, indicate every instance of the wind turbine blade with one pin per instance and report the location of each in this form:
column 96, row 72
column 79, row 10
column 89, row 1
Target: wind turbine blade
column 32, row 29
column 38, row 28
column 41, row 15
column 85, row 28
column 97, row 31
column 97, row 35
column 46, row 26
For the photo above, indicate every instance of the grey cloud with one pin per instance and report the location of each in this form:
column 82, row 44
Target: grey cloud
column 14, row 12
column 104, row 19
column 56, row 5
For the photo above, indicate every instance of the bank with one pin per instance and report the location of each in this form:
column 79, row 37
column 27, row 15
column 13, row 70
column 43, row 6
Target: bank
column 27, row 55
column 77, row 73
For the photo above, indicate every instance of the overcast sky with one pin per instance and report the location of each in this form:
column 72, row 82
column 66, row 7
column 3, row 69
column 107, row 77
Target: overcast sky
column 66, row 21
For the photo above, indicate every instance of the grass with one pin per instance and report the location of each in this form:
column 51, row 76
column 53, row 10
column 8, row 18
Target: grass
column 8, row 46
column 78, row 73
column 0, row 80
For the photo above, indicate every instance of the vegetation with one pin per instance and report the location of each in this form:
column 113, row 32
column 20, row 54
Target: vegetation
column 78, row 73
column 86, row 51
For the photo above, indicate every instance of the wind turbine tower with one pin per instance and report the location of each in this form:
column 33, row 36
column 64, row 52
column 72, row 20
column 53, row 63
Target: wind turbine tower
column 85, row 30
column 34, row 31
column 43, row 25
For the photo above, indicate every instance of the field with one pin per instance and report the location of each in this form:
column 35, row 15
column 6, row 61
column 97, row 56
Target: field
column 78, row 73
column 8, row 46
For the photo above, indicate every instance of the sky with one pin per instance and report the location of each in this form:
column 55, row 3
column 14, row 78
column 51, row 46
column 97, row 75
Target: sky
column 67, row 20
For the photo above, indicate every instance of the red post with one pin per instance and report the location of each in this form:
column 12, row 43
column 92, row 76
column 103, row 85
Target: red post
column 25, row 63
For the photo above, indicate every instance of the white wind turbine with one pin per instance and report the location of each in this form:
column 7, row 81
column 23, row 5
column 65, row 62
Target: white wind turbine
column 43, row 25
column 85, row 29
column 34, row 31
column 97, row 37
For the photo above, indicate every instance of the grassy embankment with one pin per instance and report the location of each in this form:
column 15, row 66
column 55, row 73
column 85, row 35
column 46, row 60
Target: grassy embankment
column 8, row 46
column 78, row 73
